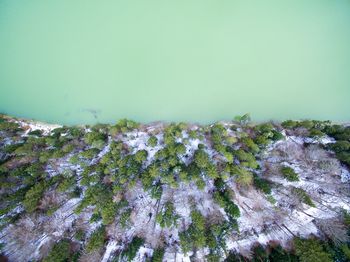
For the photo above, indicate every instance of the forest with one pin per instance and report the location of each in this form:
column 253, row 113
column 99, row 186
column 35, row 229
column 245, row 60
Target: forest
column 228, row 191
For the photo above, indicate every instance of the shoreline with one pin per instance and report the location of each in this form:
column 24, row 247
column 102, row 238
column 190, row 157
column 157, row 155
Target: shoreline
column 47, row 126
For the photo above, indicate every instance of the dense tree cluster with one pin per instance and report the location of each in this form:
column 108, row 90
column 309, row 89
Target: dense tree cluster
column 305, row 250
column 310, row 250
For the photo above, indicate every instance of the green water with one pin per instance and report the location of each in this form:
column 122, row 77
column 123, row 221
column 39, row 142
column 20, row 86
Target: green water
column 79, row 61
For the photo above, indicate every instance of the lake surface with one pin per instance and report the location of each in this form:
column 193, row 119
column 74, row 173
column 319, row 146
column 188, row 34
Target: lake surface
column 176, row 60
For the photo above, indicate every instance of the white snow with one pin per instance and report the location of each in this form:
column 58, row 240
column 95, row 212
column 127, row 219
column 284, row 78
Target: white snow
column 345, row 175
column 111, row 247
column 31, row 125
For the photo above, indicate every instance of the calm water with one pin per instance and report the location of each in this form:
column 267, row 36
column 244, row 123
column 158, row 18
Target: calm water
column 78, row 61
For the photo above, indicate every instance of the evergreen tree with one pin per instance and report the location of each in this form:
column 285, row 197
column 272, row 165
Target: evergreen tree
column 96, row 240
column 130, row 252
column 311, row 250
column 60, row 252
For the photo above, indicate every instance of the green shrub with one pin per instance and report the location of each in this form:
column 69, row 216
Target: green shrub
column 311, row 250
column 243, row 177
column 195, row 235
column 332, row 130
column 192, row 134
column 35, row 133
column 230, row 140
column 262, row 140
column 185, row 241
column 25, row 149
column 216, row 237
column 96, row 240
column 95, row 139
column 141, row 156
column 123, row 126
column 243, row 120
column 125, row 218
column 9, row 126
column 344, row 157
column 262, row 184
column 201, row 158
column 212, row 171
column 340, row 146
column 158, row 255
column 259, row 253
column 271, row 199
column 289, row 124
column 346, row 217
column 223, row 199
column 152, row 141
column 108, row 212
column 130, row 252
column 277, row 135
column 346, row 251
column 219, row 184
column 200, row 183
column 66, row 183
column 180, row 149
column 95, row 217
column 97, row 194
column 278, row 254
column 264, row 128
column 289, row 174
column 153, row 171
column 229, row 156
column 33, row 196
column 156, row 191
column 74, row 159
column 12, row 148
column 249, row 143
column 303, row 196
column 60, row 252
column 167, row 217
column 80, row 235
column 316, row 133
column 308, row 124
column 246, row 159
column 89, row 153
